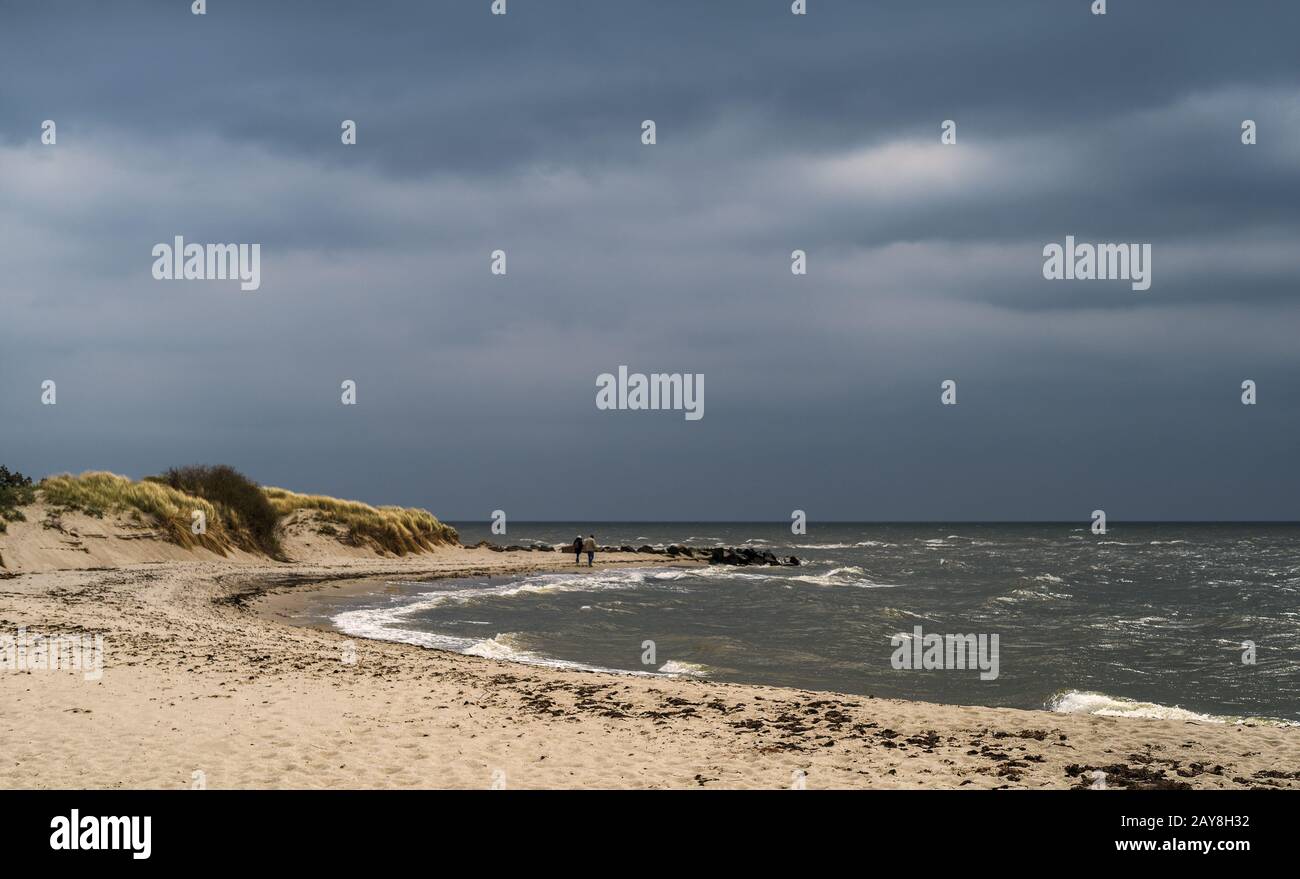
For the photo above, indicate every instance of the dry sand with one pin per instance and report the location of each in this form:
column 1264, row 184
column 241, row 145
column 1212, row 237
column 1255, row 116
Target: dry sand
column 195, row 680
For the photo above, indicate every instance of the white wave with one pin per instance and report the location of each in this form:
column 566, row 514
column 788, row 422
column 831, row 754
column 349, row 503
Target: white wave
column 541, row 584
column 728, row 572
column 1085, row 702
column 378, row 623
column 1036, row 594
column 501, row 647
column 675, row 668
column 860, row 543
column 1048, row 578
column 850, row 576
column 506, row 647
column 896, row 613
column 390, row 623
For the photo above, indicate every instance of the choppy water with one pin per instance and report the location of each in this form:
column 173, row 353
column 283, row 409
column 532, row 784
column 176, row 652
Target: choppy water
column 1147, row 619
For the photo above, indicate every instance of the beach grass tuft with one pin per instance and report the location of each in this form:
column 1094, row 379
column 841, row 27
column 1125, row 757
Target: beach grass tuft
column 98, row 493
column 399, row 530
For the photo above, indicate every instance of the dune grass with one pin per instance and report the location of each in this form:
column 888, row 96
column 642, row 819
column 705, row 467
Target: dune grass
column 98, row 493
column 239, row 513
column 398, row 530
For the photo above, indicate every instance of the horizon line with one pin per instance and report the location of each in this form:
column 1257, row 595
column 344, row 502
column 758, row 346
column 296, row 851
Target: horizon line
column 1084, row 522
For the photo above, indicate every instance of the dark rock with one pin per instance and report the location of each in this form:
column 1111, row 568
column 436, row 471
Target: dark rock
column 1118, row 775
column 744, row 555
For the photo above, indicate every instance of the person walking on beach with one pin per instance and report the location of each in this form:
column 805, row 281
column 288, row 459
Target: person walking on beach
column 577, row 550
column 590, row 546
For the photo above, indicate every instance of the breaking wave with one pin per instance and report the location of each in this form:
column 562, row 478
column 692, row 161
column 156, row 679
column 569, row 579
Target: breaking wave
column 1102, row 705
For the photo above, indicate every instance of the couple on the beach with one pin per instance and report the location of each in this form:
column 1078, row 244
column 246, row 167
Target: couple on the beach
column 580, row 546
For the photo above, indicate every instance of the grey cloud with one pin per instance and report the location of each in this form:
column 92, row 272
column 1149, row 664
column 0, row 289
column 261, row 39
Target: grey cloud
column 822, row 134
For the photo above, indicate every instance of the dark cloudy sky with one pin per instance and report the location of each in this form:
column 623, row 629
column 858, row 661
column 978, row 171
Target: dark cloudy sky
column 775, row 132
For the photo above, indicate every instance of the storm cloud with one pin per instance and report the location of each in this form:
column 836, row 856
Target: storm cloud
column 775, row 132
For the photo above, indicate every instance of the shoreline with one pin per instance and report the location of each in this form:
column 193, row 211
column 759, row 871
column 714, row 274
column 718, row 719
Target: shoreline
column 197, row 680
column 278, row 603
column 286, row 605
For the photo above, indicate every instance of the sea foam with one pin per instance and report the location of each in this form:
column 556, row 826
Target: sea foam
column 1100, row 704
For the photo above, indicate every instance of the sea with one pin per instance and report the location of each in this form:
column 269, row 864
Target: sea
column 1183, row 621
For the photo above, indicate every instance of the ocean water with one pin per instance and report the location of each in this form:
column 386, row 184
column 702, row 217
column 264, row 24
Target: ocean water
column 1146, row 620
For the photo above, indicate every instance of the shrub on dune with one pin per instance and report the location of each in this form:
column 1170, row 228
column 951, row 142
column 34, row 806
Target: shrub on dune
column 15, row 491
column 245, row 511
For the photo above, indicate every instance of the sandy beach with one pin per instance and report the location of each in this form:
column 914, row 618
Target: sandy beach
column 202, row 683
